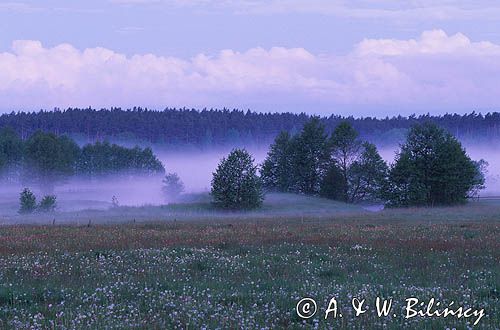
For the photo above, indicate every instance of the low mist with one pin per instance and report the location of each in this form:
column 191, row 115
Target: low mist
column 195, row 171
column 195, row 168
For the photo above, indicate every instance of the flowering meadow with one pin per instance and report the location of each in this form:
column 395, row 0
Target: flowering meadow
column 227, row 274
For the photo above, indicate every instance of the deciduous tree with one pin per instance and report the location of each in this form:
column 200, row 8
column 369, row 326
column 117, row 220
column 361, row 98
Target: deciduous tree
column 346, row 148
column 277, row 169
column 50, row 158
column 431, row 169
column 310, row 157
column 235, row 184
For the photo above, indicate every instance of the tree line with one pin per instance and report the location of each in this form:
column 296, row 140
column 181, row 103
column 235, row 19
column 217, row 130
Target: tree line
column 339, row 165
column 213, row 127
column 431, row 168
column 46, row 158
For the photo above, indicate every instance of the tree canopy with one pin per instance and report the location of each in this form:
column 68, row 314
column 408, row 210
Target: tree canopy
column 49, row 158
column 367, row 175
column 11, row 153
column 216, row 127
column 104, row 158
column 276, row 167
column 310, row 157
column 432, row 168
column 46, row 159
column 235, row 184
column 346, row 148
column 339, row 167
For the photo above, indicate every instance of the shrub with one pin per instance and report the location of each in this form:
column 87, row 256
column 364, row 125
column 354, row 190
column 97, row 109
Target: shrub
column 28, row 201
column 48, row 203
column 235, row 184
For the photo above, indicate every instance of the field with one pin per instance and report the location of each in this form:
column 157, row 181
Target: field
column 189, row 267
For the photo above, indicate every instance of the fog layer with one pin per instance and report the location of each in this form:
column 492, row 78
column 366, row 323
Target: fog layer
column 195, row 170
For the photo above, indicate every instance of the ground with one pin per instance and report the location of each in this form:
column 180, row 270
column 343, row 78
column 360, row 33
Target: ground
column 249, row 270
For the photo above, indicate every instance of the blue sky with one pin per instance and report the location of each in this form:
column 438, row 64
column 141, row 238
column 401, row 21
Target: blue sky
column 319, row 56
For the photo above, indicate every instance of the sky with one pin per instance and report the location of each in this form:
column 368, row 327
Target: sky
column 359, row 58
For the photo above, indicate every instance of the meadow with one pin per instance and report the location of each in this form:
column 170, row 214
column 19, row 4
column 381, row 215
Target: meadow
column 187, row 266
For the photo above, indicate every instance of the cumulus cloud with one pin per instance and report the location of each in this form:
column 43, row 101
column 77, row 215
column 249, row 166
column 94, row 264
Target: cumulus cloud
column 430, row 42
column 433, row 72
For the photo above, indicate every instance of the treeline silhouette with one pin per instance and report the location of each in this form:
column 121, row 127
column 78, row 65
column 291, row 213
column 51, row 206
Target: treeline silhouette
column 206, row 128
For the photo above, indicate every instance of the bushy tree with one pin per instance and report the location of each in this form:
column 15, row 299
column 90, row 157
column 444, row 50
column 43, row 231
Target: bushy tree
column 104, row 158
column 11, row 147
column 432, row 168
column 27, row 201
column 11, row 153
column 235, row 184
column 48, row 203
column 172, row 186
column 50, row 158
column 277, row 167
column 310, row 157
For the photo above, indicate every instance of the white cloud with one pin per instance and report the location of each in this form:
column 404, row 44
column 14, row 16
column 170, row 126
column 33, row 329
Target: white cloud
column 433, row 72
column 430, row 42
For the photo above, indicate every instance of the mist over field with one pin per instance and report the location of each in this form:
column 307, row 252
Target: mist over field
column 195, row 170
column 204, row 164
column 77, row 193
column 491, row 154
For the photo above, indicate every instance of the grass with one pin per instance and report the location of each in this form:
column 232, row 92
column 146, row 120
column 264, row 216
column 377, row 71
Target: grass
column 194, row 208
column 249, row 270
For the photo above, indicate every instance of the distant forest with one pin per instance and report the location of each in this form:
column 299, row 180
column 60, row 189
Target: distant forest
column 213, row 128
